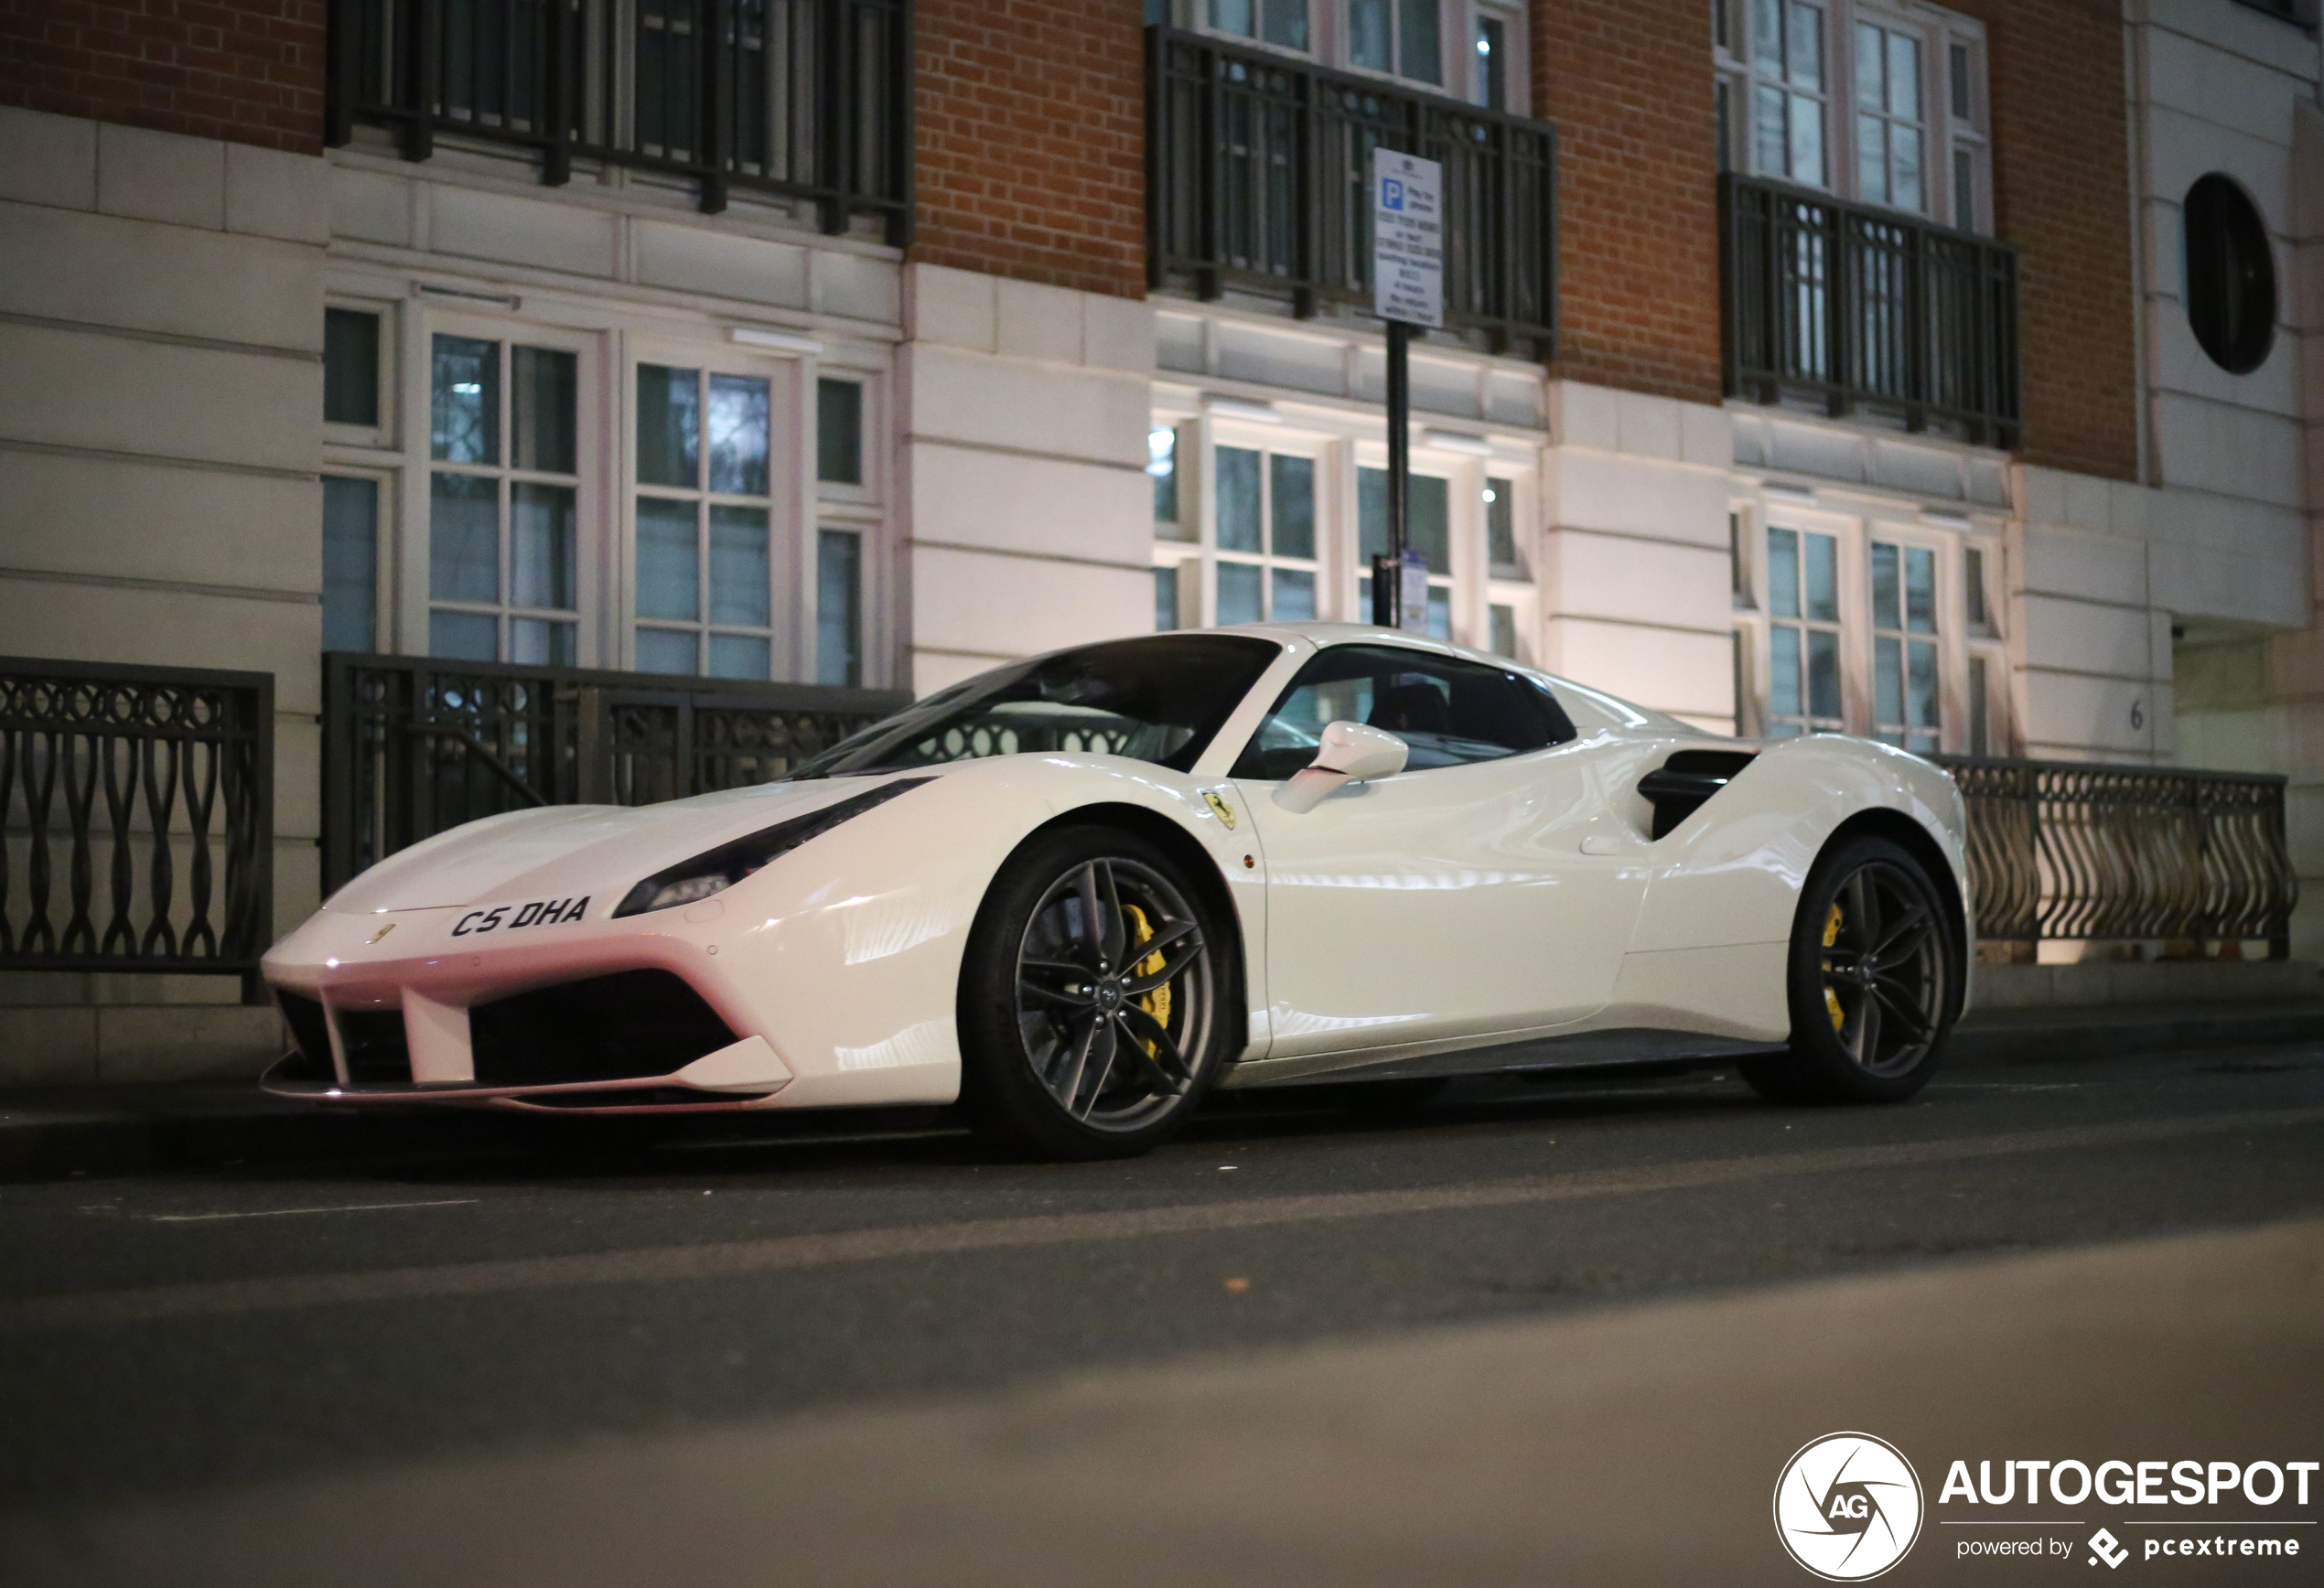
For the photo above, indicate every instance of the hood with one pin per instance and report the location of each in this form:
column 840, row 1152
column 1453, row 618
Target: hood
column 567, row 851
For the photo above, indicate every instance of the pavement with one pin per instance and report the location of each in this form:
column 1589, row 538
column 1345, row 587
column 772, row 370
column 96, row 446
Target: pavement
column 1527, row 1334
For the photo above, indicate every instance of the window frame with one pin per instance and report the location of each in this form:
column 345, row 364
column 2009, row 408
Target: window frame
column 1330, row 40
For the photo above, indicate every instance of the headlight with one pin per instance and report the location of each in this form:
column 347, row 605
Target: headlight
column 714, row 869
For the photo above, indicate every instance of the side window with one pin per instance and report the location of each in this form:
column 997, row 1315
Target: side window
column 1449, row 711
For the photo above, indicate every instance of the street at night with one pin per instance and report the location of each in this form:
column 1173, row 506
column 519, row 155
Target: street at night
column 1523, row 1330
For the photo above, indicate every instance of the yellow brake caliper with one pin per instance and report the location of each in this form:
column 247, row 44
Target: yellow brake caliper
column 1156, row 1003
column 1831, row 999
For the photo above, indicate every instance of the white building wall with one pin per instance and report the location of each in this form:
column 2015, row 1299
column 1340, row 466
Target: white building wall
column 161, row 327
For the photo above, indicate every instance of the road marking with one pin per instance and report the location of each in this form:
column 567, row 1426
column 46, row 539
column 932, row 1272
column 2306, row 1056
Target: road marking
column 785, row 1253
column 291, row 1212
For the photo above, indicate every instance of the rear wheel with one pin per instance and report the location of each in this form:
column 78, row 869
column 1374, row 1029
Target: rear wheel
column 1092, row 1003
column 1871, row 982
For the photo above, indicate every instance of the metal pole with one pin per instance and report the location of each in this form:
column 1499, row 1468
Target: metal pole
column 1387, row 572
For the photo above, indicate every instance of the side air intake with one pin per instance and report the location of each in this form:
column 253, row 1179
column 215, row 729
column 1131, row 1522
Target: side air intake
column 1678, row 788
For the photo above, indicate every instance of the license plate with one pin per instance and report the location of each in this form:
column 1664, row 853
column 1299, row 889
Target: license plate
column 510, row 918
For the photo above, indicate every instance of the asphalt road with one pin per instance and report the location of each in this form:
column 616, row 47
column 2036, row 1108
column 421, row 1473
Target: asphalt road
column 176, row 1339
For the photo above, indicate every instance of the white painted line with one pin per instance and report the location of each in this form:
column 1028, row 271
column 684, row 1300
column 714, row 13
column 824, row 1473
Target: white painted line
column 289, row 1212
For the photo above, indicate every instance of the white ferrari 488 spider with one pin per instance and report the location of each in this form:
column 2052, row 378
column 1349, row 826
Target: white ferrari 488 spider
column 1076, row 893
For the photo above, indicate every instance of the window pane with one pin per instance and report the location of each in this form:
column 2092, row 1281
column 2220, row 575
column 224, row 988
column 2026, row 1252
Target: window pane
column 1295, row 596
column 1505, row 631
column 1423, row 60
column 1920, row 590
column 1447, row 712
column 1784, row 699
column 667, row 582
column 1872, row 158
column 1823, row 673
column 1887, row 681
column 738, row 435
column 464, row 636
column 1973, row 586
column 1368, row 35
column 464, row 387
column 1964, row 190
column 1771, row 146
column 541, row 546
column 463, row 538
column 1807, row 141
column 739, row 592
column 839, row 608
column 351, row 367
column 1165, row 598
column 1885, row 605
column 1239, row 592
column 1958, row 55
column 1492, row 63
column 1980, row 730
column 540, row 642
column 739, row 656
column 1500, row 524
column 1162, row 462
column 1287, row 23
column 1905, row 184
column 542, row 420
column 1767, row 34
column 1922, row 658
column 1371, row 516
column 350, row 564
column 1904, row 76
column 1232, row 17
column 1293, row 480
column 1869, row 59
column 1427, row 526
column 1803, row 49
column 1439, row 612
column 1238, row 499
column 666, row 650
column 1784, row 573
column 839, row 432
column 1824, row 578
column 669, row 426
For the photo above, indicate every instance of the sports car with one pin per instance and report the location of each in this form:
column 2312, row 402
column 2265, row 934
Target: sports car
column 1076, row 893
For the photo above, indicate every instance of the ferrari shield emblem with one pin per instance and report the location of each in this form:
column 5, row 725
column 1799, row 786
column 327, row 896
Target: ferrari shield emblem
column 1219, row 809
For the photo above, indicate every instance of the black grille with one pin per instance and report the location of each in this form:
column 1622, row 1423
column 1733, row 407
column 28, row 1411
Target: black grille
column 629, row 1026
column 312, row 1036
column 1679, row 786
column 374, row 1042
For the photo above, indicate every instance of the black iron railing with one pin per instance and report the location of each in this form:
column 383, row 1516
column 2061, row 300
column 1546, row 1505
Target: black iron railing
column 136, row 818
column 413, row 746
column 1858, row 308
column 2064, row 849
column 1258, row 176
column 808, row 99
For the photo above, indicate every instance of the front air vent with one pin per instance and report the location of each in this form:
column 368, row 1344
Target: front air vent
column 1678, row 788
column 632, row 1024
column 372, row 1040
column 311, row 1038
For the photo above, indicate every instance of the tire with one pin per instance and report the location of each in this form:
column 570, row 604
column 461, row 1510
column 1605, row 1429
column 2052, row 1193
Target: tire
column 1073, row 1044
column 1873, row 981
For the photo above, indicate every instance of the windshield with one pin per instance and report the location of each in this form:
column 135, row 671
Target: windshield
column 1156, row 700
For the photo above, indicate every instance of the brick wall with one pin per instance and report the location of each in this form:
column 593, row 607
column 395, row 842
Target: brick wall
column 1031, row 140
column 1628, row 84
column 250, row 71
column 2061, row 190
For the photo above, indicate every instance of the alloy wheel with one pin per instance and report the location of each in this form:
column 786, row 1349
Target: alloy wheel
column 1883, row 968
column 1113, row 989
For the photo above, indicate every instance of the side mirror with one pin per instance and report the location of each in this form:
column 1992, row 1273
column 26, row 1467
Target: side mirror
column 1350, row 753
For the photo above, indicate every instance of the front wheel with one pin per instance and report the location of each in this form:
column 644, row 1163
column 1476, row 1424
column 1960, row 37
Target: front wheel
column 1872, row 979
column 1094, row 997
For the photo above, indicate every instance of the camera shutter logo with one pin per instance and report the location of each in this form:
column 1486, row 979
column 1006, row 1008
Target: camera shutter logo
column 1848, row 1507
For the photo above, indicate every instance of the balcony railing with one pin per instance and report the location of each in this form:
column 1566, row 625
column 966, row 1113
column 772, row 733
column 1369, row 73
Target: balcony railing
column 1258, row 176
column 136, row 818
column 2064, row 849
column 808, row 99
column 413, row 746
column 1855, row 309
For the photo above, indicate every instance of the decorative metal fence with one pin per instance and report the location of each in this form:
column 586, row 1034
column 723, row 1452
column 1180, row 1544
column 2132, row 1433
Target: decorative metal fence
column 2063, row 849
column 413, row 746
column 1861, row 308
column 1258, row 176
column 136, row 818
column 806, row 99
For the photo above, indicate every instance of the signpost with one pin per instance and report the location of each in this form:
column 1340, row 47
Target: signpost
column 1407, row 290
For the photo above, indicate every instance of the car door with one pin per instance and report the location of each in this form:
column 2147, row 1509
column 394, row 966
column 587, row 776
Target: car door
column 1491, row 886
